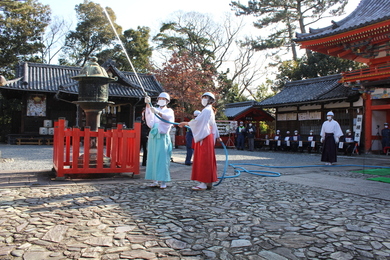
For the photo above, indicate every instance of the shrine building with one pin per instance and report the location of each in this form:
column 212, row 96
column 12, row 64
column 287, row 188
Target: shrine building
column 362, row 36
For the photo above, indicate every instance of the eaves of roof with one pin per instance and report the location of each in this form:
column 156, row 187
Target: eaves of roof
column 368, row 12
column 49, row 78
column 241, row 104
column 311, row 91
column 39, row 77
column 138, row 81
column 235, row 111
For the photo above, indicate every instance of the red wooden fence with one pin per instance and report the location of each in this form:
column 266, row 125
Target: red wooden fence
column 117, row 150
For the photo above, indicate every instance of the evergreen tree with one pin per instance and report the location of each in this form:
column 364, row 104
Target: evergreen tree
column 93, row 34
column 264, row 91
column 229, row 92
column 317, row 65
column 284, row 18
column 136, row 43
column 22, row 24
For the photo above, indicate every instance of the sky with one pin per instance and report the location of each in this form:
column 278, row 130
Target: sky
column 152, row 13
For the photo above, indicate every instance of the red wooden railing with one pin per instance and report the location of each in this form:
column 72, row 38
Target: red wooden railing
column 116, row 150
column 373, row 73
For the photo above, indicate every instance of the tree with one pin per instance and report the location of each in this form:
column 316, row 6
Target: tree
column 186, row 79
column 246, row 71
column 93, row 33
column 22, row 25
column 192, row 33
column 136, row 43
column 228, row 91
column 284, row 17
column 52, row 42
column 198, row 34
column 264, row 91
column 316, row 65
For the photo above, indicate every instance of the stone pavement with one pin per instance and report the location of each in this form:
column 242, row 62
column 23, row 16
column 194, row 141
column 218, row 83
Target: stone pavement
column 322, row 212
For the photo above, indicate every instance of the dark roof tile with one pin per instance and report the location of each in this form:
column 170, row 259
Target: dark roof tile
column 235, row 109
column 307, row 91
column 53, row 78
column 368, row 12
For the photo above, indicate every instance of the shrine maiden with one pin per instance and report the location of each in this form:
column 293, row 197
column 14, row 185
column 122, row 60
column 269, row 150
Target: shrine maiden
column 205, row 133
column 159, row 142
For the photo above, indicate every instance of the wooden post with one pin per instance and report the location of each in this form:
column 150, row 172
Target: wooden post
column 367, row 122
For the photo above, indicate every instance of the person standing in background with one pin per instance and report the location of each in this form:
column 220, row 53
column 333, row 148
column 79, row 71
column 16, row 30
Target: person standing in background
column 240, row 135
column 311, row 144
column 286, row 145
column 144, row 137
column 274, row 144
column 385, row 136
column 251, row 132
column 330, row 136
column 295, row 139
column 189, row 138
column 349, row 143
column 172, row 134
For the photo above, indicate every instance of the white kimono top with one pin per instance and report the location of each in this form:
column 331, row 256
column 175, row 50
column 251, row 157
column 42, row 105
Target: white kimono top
column 331, row 127
column 167, row 114
column 204, row 124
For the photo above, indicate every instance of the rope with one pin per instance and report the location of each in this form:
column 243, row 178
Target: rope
column 132, row 67
column 124, row 50
column 135, row 72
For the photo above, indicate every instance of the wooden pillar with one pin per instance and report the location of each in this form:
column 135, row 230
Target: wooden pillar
column 367, row 122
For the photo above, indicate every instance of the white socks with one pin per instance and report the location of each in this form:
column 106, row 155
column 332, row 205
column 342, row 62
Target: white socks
column 202, row 185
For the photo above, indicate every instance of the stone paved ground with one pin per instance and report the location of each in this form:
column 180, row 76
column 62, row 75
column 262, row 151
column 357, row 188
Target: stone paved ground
column 307, row 213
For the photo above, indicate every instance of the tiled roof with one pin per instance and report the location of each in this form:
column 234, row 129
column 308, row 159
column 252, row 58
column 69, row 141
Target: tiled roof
column 367, row 12
column 314, row 90
column 235, row 109
column 53, row 78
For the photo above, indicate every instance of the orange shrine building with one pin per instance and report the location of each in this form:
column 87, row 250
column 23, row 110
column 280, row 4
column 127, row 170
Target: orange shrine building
column 363, row 36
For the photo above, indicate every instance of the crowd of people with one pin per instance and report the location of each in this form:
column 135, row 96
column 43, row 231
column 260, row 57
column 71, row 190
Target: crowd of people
column 294, row 142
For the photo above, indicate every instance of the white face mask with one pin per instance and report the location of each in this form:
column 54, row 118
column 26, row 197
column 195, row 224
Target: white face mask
column 161, row 102
column 250, row 124
column 329, row 118
column 205, row 101
column 386, row 126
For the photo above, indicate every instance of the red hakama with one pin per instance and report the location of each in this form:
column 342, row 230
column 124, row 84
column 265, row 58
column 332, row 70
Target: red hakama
column 204, row 167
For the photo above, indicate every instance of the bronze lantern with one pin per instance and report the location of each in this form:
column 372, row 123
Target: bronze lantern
column 93, row 92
